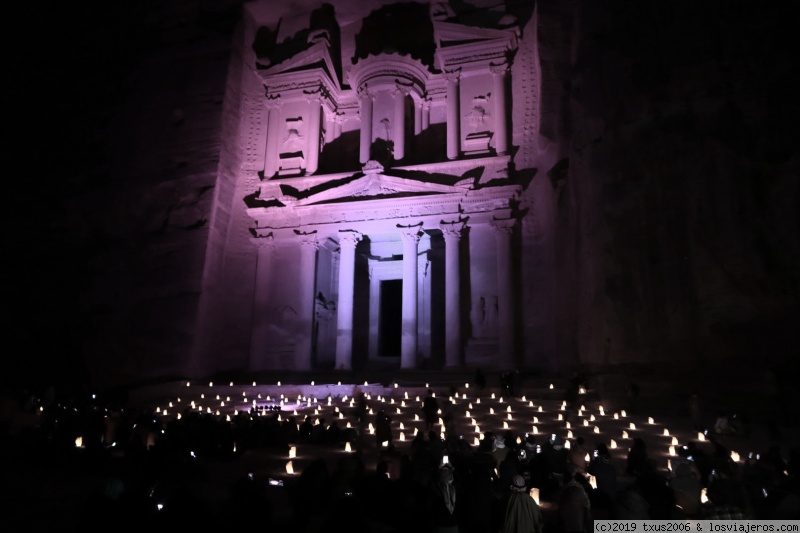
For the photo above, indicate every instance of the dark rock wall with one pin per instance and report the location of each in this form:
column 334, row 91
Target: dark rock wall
column 679, row 212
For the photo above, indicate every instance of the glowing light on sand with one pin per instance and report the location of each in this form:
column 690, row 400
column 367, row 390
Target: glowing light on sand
column 700, row 436
column 674, row 441
column 613, row 444
column 567, row 424
column 591, row 418
column 734, row 457
column 79, row 442
column 593, row 481
column 632, row 425
column 672, row 451
column 416, row 418
column 567, row 445
column 289, row 468
column 540, row 409
column 616, row 416
column 623, row 413
column 585, row 423
column 650, row 420
column 535, row 430
column 596, row 429
column 666, row 432
column 491, row 410
column 347, row 447
column 704, row 495
column 581, row 390
column 569, row 434
column 476, row 441
column 534, row 493
column 210, row 383
column 560, row 417
column 505, row 424
column 402, row 437
column 624, row 434
column 551, row 386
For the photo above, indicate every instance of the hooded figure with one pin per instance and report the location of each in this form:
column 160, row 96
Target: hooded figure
column 442, row 503
column 522, row 513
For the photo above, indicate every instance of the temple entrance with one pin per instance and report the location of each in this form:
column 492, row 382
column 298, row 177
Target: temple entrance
column 390, row 318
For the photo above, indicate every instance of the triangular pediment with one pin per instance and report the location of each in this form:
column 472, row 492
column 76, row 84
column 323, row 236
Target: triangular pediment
column 370, row 186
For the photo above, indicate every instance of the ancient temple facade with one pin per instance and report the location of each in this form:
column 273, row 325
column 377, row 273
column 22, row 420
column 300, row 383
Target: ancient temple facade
column 377, row 211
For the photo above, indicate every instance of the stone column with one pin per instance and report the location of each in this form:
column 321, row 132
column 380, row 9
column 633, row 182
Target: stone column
column 344, row 309
column 417, row 117
column 307, row 274
column 408, row 345
column 452, row 286
column 314, row 110
column 504, row 229
column 337, row 125
column 366, row 126
column 273, row 136
column 399, row 129
column 453, row 118
column 330, row 131
column 259, row 336
column 499, row 74
column 426, row 114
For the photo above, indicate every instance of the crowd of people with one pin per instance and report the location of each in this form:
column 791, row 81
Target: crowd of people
column 147, row 470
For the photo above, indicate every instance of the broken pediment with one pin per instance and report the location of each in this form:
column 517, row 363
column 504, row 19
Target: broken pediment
column 316, row 57
column 458, row 44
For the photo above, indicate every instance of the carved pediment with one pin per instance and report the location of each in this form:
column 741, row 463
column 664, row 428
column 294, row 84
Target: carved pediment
column 458, row 44
column 373, row 186
column 316, row 57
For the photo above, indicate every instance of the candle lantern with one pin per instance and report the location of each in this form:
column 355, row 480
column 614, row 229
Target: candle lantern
column 613, row 444
column 535, row 494
column 292, row 452
column 289, row 468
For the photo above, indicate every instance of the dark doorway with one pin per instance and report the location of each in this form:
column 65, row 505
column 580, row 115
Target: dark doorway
column 391, row 317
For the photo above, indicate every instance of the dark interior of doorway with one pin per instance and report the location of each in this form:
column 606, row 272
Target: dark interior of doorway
column 391, row 317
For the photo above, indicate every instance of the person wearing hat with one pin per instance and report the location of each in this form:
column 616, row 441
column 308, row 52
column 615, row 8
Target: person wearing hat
column 522, row 512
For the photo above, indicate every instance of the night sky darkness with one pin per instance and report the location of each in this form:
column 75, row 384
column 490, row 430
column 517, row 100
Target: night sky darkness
column 66, row 65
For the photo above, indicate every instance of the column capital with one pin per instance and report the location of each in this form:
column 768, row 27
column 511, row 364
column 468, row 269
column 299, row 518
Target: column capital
column 401, row 89
column 452, row 231
column 307, row 239
column 499, row 70
column 265, row 242
column 364, row 93
column 273, row 101
column 504, row 225
column 349, row 238
column 410, row 233
column 452, row 76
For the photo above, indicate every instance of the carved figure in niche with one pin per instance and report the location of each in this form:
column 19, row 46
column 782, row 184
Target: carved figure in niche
column 478, row 316
column 325, row 309
column 386, row 124
column 293, row 142
column 478, row 115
